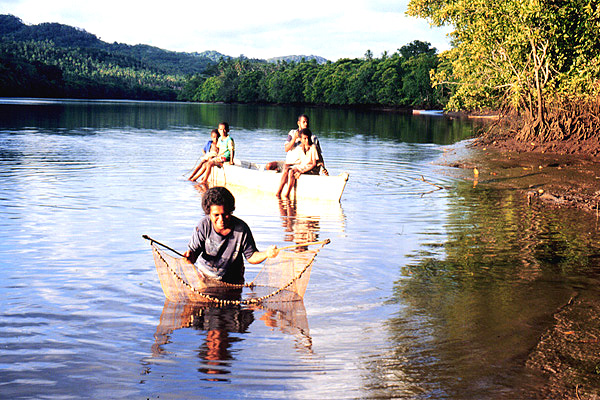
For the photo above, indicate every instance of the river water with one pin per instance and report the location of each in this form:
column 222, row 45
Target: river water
column 431, row 288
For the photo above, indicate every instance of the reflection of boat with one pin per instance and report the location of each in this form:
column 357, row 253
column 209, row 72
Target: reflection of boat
column 248, row 201
column 283, row 278
column 220, row 321
column 254, row 176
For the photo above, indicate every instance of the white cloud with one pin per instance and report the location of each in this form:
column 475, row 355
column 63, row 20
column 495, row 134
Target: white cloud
column 260, row 29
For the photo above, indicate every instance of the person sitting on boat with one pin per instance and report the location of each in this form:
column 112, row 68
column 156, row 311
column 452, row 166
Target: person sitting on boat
column 221, row 239
column 225, row 154
column 210, row 150
column 308, row 163
column 291, row 144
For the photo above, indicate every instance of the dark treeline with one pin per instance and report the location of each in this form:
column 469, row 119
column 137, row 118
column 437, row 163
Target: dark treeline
column 42, row 69
column 400, row 79
column 55, row 60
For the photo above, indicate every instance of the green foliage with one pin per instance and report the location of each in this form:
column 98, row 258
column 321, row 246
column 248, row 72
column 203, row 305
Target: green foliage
column 80, row 73
column 9, row 24
column 12, row 29
column 399, row 79
column 517, row 54
column 51, row 59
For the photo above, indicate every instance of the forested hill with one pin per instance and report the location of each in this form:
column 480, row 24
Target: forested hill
column 169, row 62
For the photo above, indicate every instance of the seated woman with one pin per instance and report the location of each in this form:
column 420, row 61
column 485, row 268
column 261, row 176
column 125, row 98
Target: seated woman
column 226, row 151
column 309, row 157
column 210, row 151
column 291, row 145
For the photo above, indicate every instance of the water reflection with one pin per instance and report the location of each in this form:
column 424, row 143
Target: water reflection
column 301, row 219
column 297, row 229
column 65, row 115
column 224, row 327
column 473, row 306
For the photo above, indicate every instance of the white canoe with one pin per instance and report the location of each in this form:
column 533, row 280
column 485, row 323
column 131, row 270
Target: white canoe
column 253, row 176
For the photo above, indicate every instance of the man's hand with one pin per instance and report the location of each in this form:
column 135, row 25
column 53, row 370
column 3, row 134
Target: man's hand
column 186, row 256
column 272, row 251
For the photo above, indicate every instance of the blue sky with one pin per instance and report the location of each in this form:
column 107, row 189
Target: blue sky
column 258, row 29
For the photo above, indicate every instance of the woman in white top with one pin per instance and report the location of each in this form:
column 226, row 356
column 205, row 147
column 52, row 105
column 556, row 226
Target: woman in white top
column 308, row 159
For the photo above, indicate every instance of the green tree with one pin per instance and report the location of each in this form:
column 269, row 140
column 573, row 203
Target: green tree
column 536, row 59
column 420, row 60
column 390, row 80
column 210, row 90
column 249, row 88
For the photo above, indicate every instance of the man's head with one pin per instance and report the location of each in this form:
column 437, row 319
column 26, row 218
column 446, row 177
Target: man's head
column 218, row 196
column 303, row 121
column 218, row 203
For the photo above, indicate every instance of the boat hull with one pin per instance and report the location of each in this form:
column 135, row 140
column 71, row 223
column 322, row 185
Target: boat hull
column 253, row 176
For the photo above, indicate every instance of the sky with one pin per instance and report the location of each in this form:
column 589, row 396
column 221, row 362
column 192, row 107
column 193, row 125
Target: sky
column 257, row 29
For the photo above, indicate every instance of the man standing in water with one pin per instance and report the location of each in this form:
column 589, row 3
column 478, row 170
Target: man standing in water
column 220, row 240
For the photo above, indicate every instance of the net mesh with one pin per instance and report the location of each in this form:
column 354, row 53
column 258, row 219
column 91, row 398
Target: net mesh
column 281, row 279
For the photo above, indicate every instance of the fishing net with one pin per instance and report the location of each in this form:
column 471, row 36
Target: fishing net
column 281, row 279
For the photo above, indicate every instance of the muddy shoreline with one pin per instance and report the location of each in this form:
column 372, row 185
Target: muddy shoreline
column 552, row 175
column 558, row 174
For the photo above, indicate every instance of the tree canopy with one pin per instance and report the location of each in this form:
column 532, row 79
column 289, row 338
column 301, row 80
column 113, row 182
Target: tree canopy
column 538, row 59
column 400, row 79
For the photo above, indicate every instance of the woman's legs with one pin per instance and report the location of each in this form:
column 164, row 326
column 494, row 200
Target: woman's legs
column 196, row 168
column 198, row 171
column 208, row 167
column 291, row 181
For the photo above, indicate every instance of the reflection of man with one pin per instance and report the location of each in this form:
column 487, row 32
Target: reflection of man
column 220, row 321
column 287, row 209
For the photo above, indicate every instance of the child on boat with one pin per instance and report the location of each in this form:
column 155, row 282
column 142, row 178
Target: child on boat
column 226, row 150
column 293, row 141
column 209, row 151
column 225, row 144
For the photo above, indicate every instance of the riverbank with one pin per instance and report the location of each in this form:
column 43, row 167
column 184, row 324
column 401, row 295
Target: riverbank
column 549, row 175
column 558, row 174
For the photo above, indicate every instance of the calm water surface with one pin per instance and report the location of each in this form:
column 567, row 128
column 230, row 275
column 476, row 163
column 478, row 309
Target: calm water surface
column 431, row 288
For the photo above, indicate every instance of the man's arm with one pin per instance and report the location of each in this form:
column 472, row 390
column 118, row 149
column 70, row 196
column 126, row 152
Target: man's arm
column 231, row 146
column 321, row 161
column 290, row 144
column 259, row 256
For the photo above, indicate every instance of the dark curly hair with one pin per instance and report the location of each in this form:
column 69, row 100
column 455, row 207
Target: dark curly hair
column 218, row 196
column 308, row 134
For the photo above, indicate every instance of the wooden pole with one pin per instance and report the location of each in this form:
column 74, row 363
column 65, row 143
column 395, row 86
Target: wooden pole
column 326, row 241
column 163, row 245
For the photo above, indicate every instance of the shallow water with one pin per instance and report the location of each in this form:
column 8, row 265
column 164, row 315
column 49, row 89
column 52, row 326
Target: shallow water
column 431, row 288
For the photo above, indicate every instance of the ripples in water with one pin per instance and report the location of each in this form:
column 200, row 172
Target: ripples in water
column 431, row 287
